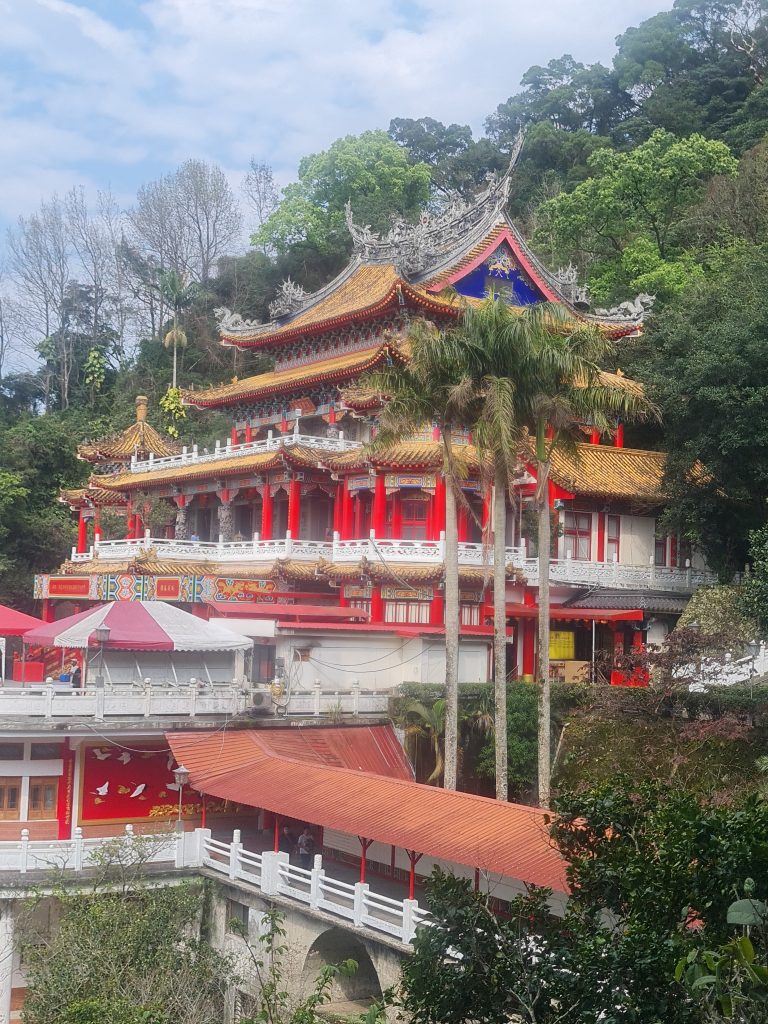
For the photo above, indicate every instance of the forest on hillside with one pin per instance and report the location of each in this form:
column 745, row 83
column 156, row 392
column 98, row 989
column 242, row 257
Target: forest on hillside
column 647, row 176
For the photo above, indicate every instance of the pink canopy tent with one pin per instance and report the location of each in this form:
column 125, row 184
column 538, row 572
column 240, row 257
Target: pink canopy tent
column 13, row 623
column 138, row 626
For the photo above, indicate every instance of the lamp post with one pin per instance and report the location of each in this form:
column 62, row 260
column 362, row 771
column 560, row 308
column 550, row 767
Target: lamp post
column 101, row 633
column 181, row 775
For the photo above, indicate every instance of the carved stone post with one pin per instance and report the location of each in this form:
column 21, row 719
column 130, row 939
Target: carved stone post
column 226, row 520
column 181, row 529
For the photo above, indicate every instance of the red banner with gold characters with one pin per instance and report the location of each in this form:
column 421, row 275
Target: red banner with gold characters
column 66, row 794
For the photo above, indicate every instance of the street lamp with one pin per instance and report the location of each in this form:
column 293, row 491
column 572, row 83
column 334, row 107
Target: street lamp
column 101, row 633
column 181, row 775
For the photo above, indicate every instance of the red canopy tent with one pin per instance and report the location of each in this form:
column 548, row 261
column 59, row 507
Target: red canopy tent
column 13, row 623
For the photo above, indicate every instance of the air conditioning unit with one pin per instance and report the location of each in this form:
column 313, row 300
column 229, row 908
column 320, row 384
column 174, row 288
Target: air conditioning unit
column 260, row 701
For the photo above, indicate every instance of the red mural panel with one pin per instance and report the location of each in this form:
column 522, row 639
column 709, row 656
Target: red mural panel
column 127, row 783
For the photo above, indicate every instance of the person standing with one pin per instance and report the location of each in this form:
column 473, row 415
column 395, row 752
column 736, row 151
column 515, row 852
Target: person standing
column 306, row 848
column 75, row 676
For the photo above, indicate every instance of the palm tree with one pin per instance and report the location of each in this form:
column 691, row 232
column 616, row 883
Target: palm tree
column 425, row 391
column 565, row 389
column 429, row 723
column 534, row 373
column 179, row 296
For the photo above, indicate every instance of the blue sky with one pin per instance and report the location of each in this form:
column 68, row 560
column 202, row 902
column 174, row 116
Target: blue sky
column 115, row 92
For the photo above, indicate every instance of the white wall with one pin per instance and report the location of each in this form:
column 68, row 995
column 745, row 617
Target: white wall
column 378, row 661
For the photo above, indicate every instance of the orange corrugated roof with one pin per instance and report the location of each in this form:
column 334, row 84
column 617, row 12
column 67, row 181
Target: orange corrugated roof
column 246, row 766
column 286, row 381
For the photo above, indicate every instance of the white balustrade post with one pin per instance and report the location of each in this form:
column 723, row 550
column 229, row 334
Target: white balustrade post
column 193, row 702
column 361, row 891
column 195, row 451
column 73, row 553
column 77, row 848
column 147, row 539
column 203, row 836
column 355, row 696
column 653, row 569
column 234, row 851
column 49, row 702
column 688, row 573
column 151, row 460
column 316, row 696
column 270, row 871
column 441, row 545
column 217, row 448
column 179, row 852
column 288, row 544
column 100, row 698
column 147, row 700
column 409, row 919
column 23, row 850
column 315, row 882
column 220, row 544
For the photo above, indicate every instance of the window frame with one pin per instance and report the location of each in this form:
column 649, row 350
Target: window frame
column 575, row 534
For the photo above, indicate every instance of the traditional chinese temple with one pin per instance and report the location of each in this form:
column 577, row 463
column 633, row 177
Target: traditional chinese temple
column 331, row 554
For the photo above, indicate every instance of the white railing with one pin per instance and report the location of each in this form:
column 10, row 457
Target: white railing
column 276, row 876
column 616, row 575
column 613, row 575
column 328, row 702
column 272, row 442
column 270, row 872
column 38, row 700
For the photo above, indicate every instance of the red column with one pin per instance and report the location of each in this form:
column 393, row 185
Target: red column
column 46, row 613
column 377, row 605
column 364, row 844
column 529, row 648
column 65, row 797
column 397, row 516
column 82, row 533
column 358, row 524
column 438, row 508
column 380, row 506
column 338, row 508
column 248, row 433
column 487, row 497
column 346, row 511
column 294, row 508
column 619, row 438
column 234, row 435
column 594, row 437
column 129, row 521
column 601, row 536
column 266, row 513
column 437, row 609
column 414, row 859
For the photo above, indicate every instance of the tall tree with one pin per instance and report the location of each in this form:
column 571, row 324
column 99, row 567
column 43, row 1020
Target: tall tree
column 260, row 190
column 178, row 296
column 427, row 390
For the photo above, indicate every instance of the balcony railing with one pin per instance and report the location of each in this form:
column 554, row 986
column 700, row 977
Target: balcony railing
column 355, row 904
column 194, row 456
column 613, row 575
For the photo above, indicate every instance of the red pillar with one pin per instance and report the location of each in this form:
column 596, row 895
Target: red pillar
column 397, row 516
column 46, row 613
column 438, row 508
column 358, row 524
column 487, row 497
column 277, row 833
column 248, row 433
column 129, row 521
column 364, row 844
column 437, row 609
column 338, row 508
column 529, row 648
column 377, row 605
column 594, row 437
column 380, row 506
column 414, row 859
column 266, row 513
column 82, row 533
column 234, row 435
column 294, row 508
column 346, row 511
column 619, row 439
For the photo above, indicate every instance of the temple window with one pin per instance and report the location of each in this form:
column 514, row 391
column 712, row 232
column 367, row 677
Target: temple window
column 577, row 535
column 469, row 614
column 414, row 612
column 10, row 798
column 42, row 798
column 414, row 518
column 612, row 538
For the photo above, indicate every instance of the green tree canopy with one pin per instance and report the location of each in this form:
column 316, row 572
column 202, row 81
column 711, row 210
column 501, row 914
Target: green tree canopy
column 621, row 221
column 369, row 170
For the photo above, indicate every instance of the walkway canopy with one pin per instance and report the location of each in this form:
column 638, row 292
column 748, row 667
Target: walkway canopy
column 13, row 623
column 248, row 767
column 138, row 626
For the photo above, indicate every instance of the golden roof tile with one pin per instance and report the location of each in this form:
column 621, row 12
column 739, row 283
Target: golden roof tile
column 90, row 496
column 139, row 439
column 621, row 473
column 336, row 368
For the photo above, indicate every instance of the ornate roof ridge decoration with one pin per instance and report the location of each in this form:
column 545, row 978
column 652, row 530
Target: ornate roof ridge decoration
column 233, row 323
column 290, row 297
column 412, row 248
column 630, row 312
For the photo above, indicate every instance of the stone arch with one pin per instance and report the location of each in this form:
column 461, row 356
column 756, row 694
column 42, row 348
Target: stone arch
column 331, row 947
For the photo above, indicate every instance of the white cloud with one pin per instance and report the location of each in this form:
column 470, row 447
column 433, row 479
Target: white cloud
column 99, row 91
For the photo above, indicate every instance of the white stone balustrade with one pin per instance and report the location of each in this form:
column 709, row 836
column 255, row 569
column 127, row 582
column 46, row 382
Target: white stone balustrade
column 194, row 456
column 615, row 575
column 356, row 904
